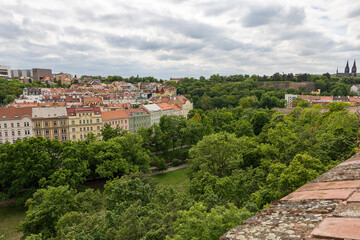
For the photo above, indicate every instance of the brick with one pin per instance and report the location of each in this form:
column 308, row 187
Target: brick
column 333, row 194
column 355, row 197
column 330, row 185
column 342, row 228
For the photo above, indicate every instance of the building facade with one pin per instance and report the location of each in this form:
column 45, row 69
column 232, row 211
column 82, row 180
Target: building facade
column 138, row 118
column 83, row 121
column 155, row 113
column 15, row 123
column 39, row 74
column 116, row 118
column 5, row 71
column 51, row 123
column 18, row 73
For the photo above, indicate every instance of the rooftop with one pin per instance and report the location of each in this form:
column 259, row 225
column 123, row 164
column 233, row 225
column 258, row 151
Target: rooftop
column 326, row 208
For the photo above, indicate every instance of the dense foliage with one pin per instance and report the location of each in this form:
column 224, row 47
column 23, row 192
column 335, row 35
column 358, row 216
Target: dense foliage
column 243, row 155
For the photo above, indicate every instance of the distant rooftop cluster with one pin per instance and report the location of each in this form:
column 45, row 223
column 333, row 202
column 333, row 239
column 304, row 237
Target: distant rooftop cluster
column 72, row 113
column 321, row 100
column 326, row 208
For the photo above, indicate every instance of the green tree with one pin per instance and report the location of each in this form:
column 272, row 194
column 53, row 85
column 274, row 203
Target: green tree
column 218, row 154
column 198, row 223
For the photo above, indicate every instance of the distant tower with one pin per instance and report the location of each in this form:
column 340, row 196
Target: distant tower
column 337, row 71
column 347, row 69
column 353, row 69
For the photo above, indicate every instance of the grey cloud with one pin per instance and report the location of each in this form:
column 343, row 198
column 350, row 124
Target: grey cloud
column 354, row 13
column 165, row 57
column 263, row 15
column 151, row 45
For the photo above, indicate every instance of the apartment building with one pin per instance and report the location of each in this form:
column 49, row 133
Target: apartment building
column 5, row 71
column 116, row 118
column 50, row 122
column 155, row 112
column 15, row 123
column 84, row 120
column 138, row 118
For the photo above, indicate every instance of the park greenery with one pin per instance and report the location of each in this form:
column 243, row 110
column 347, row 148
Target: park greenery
column 243, row 155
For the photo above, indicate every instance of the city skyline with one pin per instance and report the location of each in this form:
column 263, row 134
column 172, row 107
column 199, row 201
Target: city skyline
column 177, row 38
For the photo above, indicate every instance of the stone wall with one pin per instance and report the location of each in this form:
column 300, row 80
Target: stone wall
column 307, row 86
column 326, row 208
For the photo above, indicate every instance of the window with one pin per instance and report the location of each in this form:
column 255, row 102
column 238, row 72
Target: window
column 12, row 125
column 98, row 127
column 84, row 129
column 47, row 131
column 74, row 137
column 90, row 120
column 46, row 124
column 87, row 121
column 6, row 134
column 56, row 137
column 73, row 130
column 125, row 121
column 63, row 130
column 63, row 138
column 38, row 132
column 80, row 129
column 12, row 133
column 62, row 122
column 5, row 125
column 80, row 136
column 97, row 120
column 88, row 128
column 72, row 122
column 91, row 128
column 18, row 124
column 37, row 124
column 0, row 134
column 55, row 130
column 0, row 125
column 19, row 133
column 55, row 123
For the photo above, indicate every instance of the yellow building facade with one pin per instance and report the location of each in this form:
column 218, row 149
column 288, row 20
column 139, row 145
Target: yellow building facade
column 83, row 121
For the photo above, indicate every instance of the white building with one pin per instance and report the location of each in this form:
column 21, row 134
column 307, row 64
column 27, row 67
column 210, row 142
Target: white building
column 289, row 99
column 155, row 112
column 5, row 71
column 15, row 123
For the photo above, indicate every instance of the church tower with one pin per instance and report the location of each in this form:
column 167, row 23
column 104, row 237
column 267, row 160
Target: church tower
column 347, row 69
column 353, row 69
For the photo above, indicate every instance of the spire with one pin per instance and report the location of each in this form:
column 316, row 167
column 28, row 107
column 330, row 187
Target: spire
column 337, row 71
column 347, row 69
column 353, row 69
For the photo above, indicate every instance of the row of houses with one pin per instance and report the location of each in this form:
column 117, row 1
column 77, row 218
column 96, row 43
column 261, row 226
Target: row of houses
column 74, row 123
column 321, row 100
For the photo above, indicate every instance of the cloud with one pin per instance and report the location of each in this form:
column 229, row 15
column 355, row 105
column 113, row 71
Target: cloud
column 178, row 37
column 263, row 15
column 354, row 13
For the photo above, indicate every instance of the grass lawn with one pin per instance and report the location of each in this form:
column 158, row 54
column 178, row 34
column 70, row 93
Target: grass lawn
column 176, row 179
column 10, row 217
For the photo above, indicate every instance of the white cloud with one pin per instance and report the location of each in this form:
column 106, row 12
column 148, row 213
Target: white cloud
column 177, row 38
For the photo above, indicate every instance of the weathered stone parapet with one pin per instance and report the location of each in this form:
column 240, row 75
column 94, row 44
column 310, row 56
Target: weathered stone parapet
column 326, row 208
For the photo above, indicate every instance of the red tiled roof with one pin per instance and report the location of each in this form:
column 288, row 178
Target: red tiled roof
column 75, row 111
column 12, row 112
column 164, row 106
column 110, row 115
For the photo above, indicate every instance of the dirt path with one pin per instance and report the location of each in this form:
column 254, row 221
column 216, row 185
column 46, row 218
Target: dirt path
column 170, row 169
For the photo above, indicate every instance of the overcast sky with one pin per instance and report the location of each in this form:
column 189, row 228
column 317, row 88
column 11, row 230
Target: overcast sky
column 177, row 38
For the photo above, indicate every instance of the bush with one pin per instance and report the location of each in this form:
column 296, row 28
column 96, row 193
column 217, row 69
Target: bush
column 176, row 162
